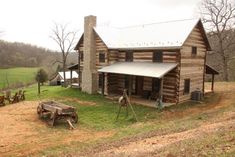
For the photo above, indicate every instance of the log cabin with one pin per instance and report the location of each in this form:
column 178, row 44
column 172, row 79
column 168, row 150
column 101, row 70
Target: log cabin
column 161, row 61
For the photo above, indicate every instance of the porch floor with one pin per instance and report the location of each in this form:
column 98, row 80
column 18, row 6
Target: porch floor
column 139, row 101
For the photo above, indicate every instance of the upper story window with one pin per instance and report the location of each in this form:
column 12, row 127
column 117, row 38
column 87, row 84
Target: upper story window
column 129, row 56
column 82, row 56
column 157, row 56
column 101, row 57
column 186, row 86
column 194, row 50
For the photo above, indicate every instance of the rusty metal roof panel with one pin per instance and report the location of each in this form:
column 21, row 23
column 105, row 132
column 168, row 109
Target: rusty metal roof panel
column 148, row 69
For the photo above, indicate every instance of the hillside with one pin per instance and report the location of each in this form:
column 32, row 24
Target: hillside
column 16, row 77
column 190, row 129
column 25, row 55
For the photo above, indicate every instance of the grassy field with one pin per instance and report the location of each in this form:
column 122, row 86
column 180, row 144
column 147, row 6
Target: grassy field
column 97, row 120
column 16, row 76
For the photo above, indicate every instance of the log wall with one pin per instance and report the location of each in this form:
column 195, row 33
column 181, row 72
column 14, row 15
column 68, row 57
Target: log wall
column 192, row 67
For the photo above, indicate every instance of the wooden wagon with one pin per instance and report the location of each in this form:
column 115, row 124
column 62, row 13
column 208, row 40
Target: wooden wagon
column 56, row 111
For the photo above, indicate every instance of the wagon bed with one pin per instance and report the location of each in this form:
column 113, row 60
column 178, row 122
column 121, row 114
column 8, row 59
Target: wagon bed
column 56, row 111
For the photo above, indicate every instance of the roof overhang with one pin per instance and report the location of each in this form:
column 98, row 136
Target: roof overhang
column 73, row 67
column 156, row 70
column 210, row 70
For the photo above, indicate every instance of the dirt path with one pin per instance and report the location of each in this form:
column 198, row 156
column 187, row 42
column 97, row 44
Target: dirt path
column 22, row 133
column 148, row 145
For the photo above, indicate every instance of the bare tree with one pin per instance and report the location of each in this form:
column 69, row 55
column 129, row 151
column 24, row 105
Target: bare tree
column 219, row 18
column 66, row 40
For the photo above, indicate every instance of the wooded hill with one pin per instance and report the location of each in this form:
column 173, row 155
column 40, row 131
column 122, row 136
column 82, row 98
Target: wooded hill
column 215, row 58
column 25, row 55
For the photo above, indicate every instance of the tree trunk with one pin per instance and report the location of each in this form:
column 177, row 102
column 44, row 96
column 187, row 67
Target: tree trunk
column 64, row 68
column 225, row 69
column 39, row 91
column 225, row 61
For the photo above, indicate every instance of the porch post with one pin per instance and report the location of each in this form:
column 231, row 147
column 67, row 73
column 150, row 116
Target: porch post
column 103, row 80
column 130, row 85
column 161, row 89
column 212, row 83
column 79, row 72
column 71, row 73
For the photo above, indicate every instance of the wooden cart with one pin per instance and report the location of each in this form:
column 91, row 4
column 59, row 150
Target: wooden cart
column 56, row 111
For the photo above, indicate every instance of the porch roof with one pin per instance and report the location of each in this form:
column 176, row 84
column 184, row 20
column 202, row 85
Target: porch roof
column 156, row 70
column 211, row 70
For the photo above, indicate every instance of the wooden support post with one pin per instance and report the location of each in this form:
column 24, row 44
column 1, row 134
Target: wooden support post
column 130, row 85
column 161, row 88
column 160, row 105
column 103, row 82
column 212, row 83
column 79, row 71
column 71, row 76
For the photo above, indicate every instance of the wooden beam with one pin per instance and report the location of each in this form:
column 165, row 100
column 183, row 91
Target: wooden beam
column 103, row 81
column 161, row 89
column 79, row 70
column 71, row 76
column 212, row 83
column 130, row 85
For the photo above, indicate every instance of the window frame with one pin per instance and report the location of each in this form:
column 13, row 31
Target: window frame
column 101, row 59
column 129, row 56
column 187, row 86
column 194, row 50
column 156, row 57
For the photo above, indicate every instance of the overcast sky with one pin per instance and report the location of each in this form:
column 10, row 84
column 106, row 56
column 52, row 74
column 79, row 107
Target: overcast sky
column 31, row 21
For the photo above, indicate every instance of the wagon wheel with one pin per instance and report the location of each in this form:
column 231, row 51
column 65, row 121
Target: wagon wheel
column 53, row 118
column 40, row 111
column 75, row 117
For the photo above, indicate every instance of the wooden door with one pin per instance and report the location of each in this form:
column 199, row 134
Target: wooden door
column 139, row 85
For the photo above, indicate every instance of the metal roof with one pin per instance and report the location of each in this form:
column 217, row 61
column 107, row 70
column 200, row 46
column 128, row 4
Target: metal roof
column 211, row 70
column 157, row 70
column 157, row 35
column 67, row 75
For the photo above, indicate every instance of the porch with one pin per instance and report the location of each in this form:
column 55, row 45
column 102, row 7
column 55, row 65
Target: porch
column 146, row 83
column 210, row 71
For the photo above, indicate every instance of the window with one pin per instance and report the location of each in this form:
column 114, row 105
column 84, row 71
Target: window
column 100, row 80
column 186, row 86
column 156, row 84
column 82, row 56
column 101, row 57
column 157, row 56
column 129, row 56
column 194, row 51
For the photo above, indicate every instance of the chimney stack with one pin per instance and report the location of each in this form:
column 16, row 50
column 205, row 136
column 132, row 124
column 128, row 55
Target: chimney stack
column 89, row 73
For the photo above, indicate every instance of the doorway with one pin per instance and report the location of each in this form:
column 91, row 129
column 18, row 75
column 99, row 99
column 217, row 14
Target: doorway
column 139, row 85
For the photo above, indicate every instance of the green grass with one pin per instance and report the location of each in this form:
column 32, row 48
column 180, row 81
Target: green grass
column 99, row 114
column 17, row 76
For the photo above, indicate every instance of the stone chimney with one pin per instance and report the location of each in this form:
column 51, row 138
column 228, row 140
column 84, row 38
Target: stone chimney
column 89, row 73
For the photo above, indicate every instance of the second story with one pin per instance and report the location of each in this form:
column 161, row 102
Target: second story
column 165, row 42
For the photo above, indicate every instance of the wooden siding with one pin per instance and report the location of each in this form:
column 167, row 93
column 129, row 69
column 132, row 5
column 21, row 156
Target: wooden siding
column 192, row 67
column 171, row 86
column 147, row 56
